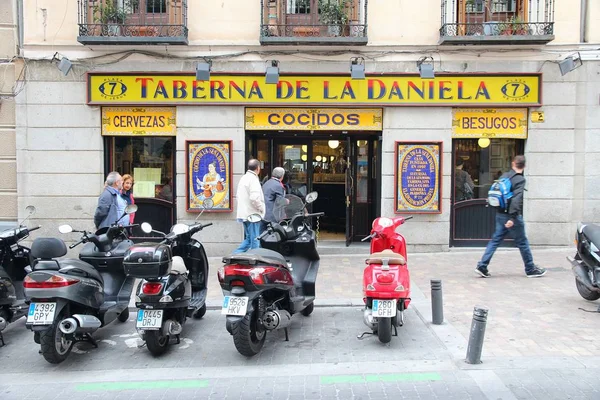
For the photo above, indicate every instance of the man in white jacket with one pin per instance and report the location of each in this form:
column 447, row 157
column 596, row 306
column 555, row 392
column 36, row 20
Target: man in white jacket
column 250, row 201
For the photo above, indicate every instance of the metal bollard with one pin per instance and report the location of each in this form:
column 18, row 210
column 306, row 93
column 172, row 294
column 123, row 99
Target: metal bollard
column 437, row 302
column 477, row 334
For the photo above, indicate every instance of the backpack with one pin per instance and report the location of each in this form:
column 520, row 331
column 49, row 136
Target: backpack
column 500, row 193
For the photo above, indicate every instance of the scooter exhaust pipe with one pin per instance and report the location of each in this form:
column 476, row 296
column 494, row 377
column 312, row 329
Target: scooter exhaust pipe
column 582, row 275
column 368, row 318
column 87, row 323
column 68, row 326
column 171, row 328
column 276, row 319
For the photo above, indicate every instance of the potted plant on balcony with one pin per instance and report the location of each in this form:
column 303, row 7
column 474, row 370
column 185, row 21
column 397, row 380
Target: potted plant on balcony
column 110, row 16
column 333, row 13
column 514, row 26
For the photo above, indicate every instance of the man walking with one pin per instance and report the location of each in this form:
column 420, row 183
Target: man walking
column 273, row 189
column 250, row 201
column 110, row 203
column 512, row 220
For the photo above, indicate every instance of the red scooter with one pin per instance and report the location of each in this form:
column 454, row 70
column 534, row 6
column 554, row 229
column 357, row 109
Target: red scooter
column 386, row 282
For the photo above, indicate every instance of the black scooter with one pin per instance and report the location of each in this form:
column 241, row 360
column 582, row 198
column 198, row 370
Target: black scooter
column 586, row 263
column 264, row 287
column 71, row 298
column 14, row 259
column 174, row 283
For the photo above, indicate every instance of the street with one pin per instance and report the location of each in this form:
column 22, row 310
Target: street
column 538, row 344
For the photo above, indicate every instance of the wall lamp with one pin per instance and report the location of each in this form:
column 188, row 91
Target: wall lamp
column 425, row 65
column 203, row 71
column 272, row 73
column 570, row 63
column 357, row 68
column 64, row 65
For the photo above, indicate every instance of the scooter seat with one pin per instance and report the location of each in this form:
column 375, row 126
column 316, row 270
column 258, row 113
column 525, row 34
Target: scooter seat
column 592, row 232
column 393, row 258
column 257, row 256
column 72, row 266
column 178, row 266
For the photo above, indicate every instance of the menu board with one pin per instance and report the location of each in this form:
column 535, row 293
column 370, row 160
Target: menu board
column 418, row 177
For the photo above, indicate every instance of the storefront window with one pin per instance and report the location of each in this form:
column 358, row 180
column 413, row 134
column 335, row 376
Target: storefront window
column 150, row 161
column 478, row 162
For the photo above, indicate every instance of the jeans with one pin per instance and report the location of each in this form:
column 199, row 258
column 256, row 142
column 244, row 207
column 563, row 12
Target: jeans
column 251, row 233
column 518, row 230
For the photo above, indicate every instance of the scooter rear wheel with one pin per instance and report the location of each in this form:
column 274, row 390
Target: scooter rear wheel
column 53, row 343
column 384, row 330
column 585, row 292
column 308, row 310
column 247, row 335
column 156, row 343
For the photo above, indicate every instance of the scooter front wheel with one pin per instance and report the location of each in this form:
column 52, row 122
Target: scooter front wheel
column 156, row 343
column 384, row 329
column 248, row 336
column 54, row 344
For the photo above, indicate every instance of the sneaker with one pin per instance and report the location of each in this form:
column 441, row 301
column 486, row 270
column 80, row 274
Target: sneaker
column 483, row 271
column 536, row 272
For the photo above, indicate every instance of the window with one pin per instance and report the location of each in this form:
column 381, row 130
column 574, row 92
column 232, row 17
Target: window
column 298, row 6
column 149, row 160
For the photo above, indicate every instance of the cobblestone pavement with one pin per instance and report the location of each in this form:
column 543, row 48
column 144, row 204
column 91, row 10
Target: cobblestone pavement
column 538, row 344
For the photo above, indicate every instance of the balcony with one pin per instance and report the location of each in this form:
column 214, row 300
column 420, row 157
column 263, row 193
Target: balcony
column 314, row 22
column 497, row 22
column 132, row 22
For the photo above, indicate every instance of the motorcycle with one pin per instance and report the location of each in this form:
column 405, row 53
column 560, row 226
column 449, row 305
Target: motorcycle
column 72, row 298
column 386, row 281
column 168, row 293
column 586, row 263
column 264, row 287
column 14, row 259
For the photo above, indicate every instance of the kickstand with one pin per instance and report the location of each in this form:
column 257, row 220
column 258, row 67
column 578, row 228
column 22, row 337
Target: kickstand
column 362, row 335
column 287, row 338
column 89, row 338
column 2, row 339
column 178, row 340
column 395, row 330
column 141, row 346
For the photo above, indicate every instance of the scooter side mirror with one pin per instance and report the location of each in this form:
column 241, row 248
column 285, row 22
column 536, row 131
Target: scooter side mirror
column 311, row 197
column 131, row 208
column 254, row 218
column 30, row 209
column 178, row 229
column 65, row 229
column 146, row 227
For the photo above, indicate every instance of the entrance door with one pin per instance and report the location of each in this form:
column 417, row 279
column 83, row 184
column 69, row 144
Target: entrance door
column 477, row 163
column 293, row 156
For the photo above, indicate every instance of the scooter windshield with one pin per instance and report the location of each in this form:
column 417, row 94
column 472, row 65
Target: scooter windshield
column 286, row 207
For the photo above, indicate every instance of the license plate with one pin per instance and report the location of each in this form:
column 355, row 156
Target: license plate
column 149, row 319
column 233, row 305
column 384, row 308
column 41, row 313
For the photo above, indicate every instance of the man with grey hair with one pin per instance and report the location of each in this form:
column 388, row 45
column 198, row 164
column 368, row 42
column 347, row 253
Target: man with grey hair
column 110, row 203
column 273, row 189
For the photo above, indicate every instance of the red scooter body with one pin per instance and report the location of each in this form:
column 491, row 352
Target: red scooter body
column 386, row 277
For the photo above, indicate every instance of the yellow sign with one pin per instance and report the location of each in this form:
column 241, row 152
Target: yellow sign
column 133, row 121
column 301, row 90
column 302, row 119
column 489, row 123
column 537, row 116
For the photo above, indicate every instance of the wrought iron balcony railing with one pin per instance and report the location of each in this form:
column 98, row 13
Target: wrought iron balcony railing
column 497, row 21
column 132, row 22
column 320, row 22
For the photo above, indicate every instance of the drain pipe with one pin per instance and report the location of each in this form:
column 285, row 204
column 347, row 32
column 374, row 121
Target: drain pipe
column 583, row 21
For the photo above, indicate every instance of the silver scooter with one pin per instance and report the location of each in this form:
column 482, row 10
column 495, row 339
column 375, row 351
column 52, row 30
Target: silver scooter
column 72, row 298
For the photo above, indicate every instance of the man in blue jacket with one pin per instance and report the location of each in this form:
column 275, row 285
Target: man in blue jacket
column 273, row 189
column 110, row 203
column 512, row 221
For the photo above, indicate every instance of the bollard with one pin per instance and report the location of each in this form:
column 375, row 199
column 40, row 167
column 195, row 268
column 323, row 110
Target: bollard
column 437, row 302
column 476, row 337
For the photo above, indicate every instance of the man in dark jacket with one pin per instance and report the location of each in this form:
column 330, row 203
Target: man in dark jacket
column 109, row 203
column 512, row 221
column 272, row 190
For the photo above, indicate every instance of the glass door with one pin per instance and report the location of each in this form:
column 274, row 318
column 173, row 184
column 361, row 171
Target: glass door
column 293, row 157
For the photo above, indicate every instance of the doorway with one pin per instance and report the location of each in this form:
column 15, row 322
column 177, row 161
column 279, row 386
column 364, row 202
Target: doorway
column 477, row 163
column 344, row 169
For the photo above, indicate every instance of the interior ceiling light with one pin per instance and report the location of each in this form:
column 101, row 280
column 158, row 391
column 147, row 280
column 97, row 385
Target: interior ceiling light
column 333, row 144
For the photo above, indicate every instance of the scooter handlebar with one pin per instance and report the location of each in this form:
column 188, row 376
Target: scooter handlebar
column 76, row 244
column 35, row 228
column 206, row 225
column 319, row 214
column 368, row 237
